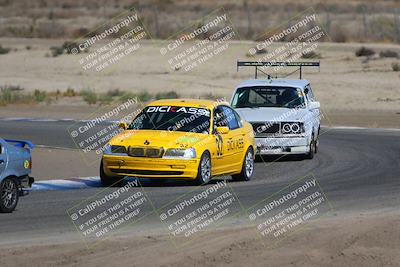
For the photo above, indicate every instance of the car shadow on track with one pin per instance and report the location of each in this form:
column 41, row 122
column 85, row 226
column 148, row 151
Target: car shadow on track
column 176, row 183
column 280, row 158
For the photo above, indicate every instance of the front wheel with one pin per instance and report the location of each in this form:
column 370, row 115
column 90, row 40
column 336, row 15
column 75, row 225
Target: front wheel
column 247, row 167
column 204, row 169
column 313, row 149
column 9, row 195
column 109, row 180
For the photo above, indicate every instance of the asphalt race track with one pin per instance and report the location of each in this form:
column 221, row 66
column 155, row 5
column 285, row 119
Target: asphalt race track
column 358, row 169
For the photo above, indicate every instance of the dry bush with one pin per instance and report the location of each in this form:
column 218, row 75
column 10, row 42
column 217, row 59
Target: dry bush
column 4, row 50
column 310, row 54
column 395, row 66
column 364, row 51
column 388, row 53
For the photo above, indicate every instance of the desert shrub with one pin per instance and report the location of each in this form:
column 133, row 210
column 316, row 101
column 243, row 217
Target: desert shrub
column 364, row 51
column 310, row 54
column 89, row 96
column 167, row 95
column 388, row 53
column 143, row 96
column 14, row 88
column 39, row 96
column 13, row 95
column 4, row 50
column 126, row 96
column 8, row 97
column 395, row 66
column 114, row 92
column 69, row 45
column 105, row 99
column 70, row 93
column 56, row 50
column 66, row 47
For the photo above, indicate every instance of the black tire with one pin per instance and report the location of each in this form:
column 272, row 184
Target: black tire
column 247, row 167
column 204, row 169
column 109, row 180
column 310, row 155
column 9, row 195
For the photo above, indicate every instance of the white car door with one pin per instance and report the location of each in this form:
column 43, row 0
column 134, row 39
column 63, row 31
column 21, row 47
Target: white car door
column 314, row 109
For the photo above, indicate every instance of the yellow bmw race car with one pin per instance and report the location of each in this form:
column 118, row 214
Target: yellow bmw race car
column 181, row 139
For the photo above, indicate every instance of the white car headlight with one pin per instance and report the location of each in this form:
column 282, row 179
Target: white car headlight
column 292, row 127
column 180, row 153
column 113, row 149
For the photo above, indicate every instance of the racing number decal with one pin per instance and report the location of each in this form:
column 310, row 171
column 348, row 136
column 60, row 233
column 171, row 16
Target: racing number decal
column 235, row 144
column 219, row 141
column 26, row 164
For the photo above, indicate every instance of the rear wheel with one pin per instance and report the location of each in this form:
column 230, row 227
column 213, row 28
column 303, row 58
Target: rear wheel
column 204, row 169
column 316, row 146
column 9, row 195
column 247, row 167
column 109, row 180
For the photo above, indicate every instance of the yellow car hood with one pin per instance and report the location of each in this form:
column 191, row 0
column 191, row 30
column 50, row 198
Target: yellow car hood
column 156, row 138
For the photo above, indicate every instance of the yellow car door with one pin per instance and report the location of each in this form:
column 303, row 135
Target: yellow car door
column 235, row 140
column 221, row 134
column 229, row 140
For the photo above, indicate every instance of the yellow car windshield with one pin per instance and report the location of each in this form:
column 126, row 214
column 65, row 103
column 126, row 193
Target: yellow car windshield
column 173, row 118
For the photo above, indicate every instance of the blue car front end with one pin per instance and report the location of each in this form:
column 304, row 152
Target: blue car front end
column 15, row 170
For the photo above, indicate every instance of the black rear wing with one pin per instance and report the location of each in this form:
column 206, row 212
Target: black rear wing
column 257, row 64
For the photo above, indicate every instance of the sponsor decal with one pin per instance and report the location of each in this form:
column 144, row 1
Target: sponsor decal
column 235, row 144
column 175, row 109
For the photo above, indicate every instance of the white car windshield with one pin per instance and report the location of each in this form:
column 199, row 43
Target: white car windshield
column 268, row 96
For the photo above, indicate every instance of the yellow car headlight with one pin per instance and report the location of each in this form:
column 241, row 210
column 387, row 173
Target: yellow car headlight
column 180, row 153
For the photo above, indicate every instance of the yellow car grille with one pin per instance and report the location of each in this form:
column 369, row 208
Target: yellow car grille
column 149, row 152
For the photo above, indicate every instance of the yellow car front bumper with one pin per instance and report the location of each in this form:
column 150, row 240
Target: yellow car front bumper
column 150, row 167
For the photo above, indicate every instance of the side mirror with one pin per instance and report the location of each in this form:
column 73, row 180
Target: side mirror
column 123, row 125
column 222, row 130
column 306, row 91
column 314, row 105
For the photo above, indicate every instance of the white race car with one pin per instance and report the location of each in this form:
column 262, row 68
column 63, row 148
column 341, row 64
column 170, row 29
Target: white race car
column 284, row 114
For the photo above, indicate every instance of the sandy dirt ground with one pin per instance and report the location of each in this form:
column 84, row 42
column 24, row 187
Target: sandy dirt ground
column 52, row 163
column 344, row 82
column 353, row 91
column 361, row 118
column 356, row 240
